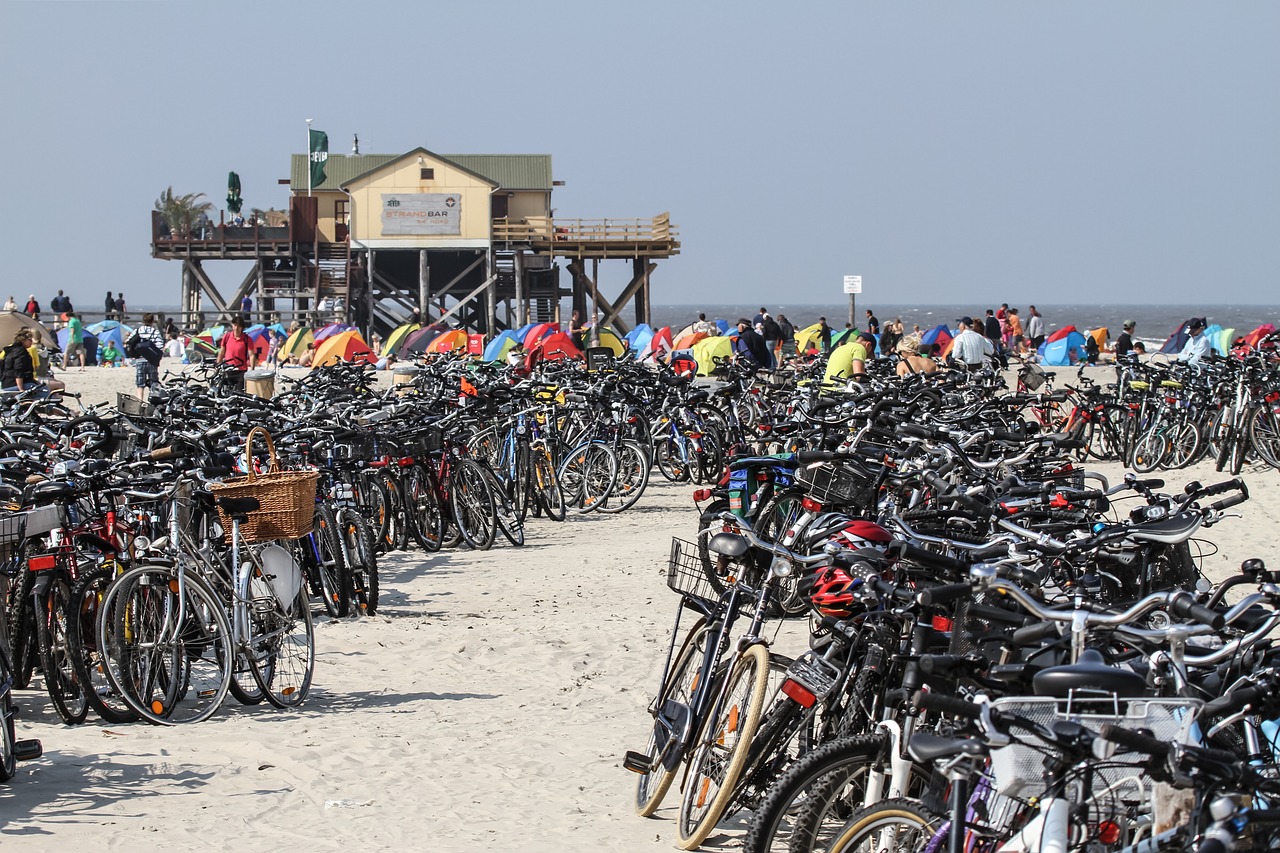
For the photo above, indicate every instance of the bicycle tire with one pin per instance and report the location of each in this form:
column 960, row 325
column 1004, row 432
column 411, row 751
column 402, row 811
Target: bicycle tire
column 1264, row 434
column 678, row 685
column 586, row 476
column 287, row 643
column 907, row 817
column 8, row 737
column 82, row 633
column 160, row 687
column 508, row 522
column 735, row 718
column 522, row 487
column 335, row 580
column 473, row 508
column 631, row 480
column 362, row 561
column 58, row 654
column 666, row 455
column 550, row 498
column 426, row 517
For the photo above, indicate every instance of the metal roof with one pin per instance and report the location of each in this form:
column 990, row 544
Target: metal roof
column 508, row 171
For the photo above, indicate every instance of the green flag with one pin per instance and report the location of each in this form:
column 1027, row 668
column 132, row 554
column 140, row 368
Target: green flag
column 319, row 155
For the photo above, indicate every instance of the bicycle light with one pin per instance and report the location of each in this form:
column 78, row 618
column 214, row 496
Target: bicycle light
column 780, row 568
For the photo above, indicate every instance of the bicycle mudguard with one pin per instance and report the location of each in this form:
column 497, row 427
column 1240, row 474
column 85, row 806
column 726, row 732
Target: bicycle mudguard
column 672, row 731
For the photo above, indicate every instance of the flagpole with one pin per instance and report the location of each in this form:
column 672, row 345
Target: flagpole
column 308, row 150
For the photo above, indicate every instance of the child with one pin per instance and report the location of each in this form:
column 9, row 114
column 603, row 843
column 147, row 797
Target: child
column 109, row 355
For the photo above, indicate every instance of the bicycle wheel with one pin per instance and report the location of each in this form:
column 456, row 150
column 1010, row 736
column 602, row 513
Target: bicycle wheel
column 58, row 653
column 1149, row 450
column 892, row 826
column 667, row 456
column 397, row 535
column 632, row 478
column 547, row 485
column 167, row 655
column 523, row 487
column 586, row 476
column 82, row 634
column 362, row 560
column 678, row 686
column 335, row 581
column 473, row 508
column 426, row 518
column 1184, row 444
column 8, row 736
column 508, row 522
column 721, row 748
column 282, row 643
column 1264, row 433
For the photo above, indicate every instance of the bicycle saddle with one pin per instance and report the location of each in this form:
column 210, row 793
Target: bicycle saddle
column 1170, row 531
column 239, row 506
column 926, row 747
column 53, row 490
column 1090, row 673
column 729, row 545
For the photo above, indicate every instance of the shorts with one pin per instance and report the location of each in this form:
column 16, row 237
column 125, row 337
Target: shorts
column 145, row 374
column 73, row 348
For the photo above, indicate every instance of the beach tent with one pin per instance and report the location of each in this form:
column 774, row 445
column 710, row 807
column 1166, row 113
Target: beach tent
column 417, row 342
column 1100, row 337
column 12, row 321
column 807, row 337
column 723, row 326
column 707, row 350
column 1065, row 347
column 344, row 346
column 631, row 336
column 330, row 330
column 939, row 335
column 396, row 339
column 524, row 330
column 687, row 341
column 499, row 347
column 449, row 342
column 261, row 341
column 687, row 330
column 111, row 331
column 1255, row 337
column 840, row 364
column 609, row 338
column 538, row 332
column 296, row 344
column 64, row 338
column 659, row 345
column 554, row 347
column 1178, row 338
column 1220, row 339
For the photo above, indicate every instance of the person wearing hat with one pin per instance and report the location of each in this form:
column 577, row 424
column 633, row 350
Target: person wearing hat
column 1124, row 343
column 969, row 348
column 910, row 360
column 749, row 348
column 1197, row 347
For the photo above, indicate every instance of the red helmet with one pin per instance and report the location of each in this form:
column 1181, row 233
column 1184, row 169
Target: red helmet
column 858, row 534
column 833, row 592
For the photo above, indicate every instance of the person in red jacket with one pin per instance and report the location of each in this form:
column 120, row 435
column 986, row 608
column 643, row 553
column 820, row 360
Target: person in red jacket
column 235, row 350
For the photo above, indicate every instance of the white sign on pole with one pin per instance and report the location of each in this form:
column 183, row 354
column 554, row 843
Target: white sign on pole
column 853, row 284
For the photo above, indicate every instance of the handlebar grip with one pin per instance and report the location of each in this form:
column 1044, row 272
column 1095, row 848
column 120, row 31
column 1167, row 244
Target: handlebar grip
column 1033, row 634
column 1219, row 488
column 888, row 589
column 1152, row 483
column 162, row 453
column 1227, row 503
column 941, row 664
column 918, row 430
column 805, row 457
column 947, row 705
column 899, row 550
column 1006, row 435
column 1185, row 606
column 943, row 594
column 1233, row 701
column 1135, row 741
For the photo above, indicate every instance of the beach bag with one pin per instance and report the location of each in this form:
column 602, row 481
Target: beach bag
column 131, row 345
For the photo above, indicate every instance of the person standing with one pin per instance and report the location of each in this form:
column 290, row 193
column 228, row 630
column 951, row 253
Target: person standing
column 1035, row 328
column 148, row 350
column 788, row 336
column 10, row 305
column 109, row 306
column 749, row 348
column 1124, row 343
column 824, row 335
column 236, row 351
column 578, row 330
column 75, row 340
column 33, row 307
column 991, row 327
column 246, row 305
column 120, row 307
column 772, row 339
column 873, row 323
column 970, row 348
column 757, row 322
column 1015, row 331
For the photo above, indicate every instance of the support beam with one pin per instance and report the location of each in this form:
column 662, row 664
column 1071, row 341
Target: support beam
column 522, row 310
column 613, row 314
column 424, row 282
column 206, row 285
column 466, row 299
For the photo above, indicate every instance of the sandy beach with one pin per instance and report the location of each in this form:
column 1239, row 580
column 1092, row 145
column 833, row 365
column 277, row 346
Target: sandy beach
column 487, row 706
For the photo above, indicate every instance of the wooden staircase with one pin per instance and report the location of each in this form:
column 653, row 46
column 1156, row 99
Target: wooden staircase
column 333, row 272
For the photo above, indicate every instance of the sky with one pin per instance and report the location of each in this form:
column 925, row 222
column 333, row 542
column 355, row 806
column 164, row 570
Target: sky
column 1046, row 152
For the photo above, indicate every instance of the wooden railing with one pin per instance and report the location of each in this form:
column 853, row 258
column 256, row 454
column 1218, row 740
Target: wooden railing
column 544, row 229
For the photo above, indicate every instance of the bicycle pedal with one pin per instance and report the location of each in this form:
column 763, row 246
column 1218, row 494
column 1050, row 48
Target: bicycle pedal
column 636, row 762
column 26, row 750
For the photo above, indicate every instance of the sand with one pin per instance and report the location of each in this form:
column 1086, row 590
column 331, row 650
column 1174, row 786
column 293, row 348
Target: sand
column 486, row 707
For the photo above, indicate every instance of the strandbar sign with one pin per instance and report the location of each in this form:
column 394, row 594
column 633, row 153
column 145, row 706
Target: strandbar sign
column 422, row 213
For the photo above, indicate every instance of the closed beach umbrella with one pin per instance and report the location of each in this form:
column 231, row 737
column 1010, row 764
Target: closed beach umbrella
column 398, row 336
column 296, row 344
column 344, row 346
column 707, row 350
column 498, row 348
column 12, row 321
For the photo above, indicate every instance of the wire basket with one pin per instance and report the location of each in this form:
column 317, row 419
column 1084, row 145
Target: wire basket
column 287, row 499
column 1018, row 769
column 12, row 532
column 687, row 573
column 355, row 448
column 837, row 483
column 1034, row 377
column 128, row 404
column 425, row 442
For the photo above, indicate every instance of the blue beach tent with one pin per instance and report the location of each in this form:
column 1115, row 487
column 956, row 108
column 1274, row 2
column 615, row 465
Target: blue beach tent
column 497, row 348
column 90, row 344
column 723, row 326
column 639, row 337
column 1066, row 350
column 524, row 330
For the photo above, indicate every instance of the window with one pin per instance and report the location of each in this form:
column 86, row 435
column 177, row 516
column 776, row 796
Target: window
column 340, row 210
column 427, row 174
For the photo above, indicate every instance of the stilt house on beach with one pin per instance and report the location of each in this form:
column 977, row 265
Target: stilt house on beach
column 469, row 239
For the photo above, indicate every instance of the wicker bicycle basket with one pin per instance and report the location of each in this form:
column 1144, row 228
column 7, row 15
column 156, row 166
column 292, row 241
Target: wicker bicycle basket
column 287, row 499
